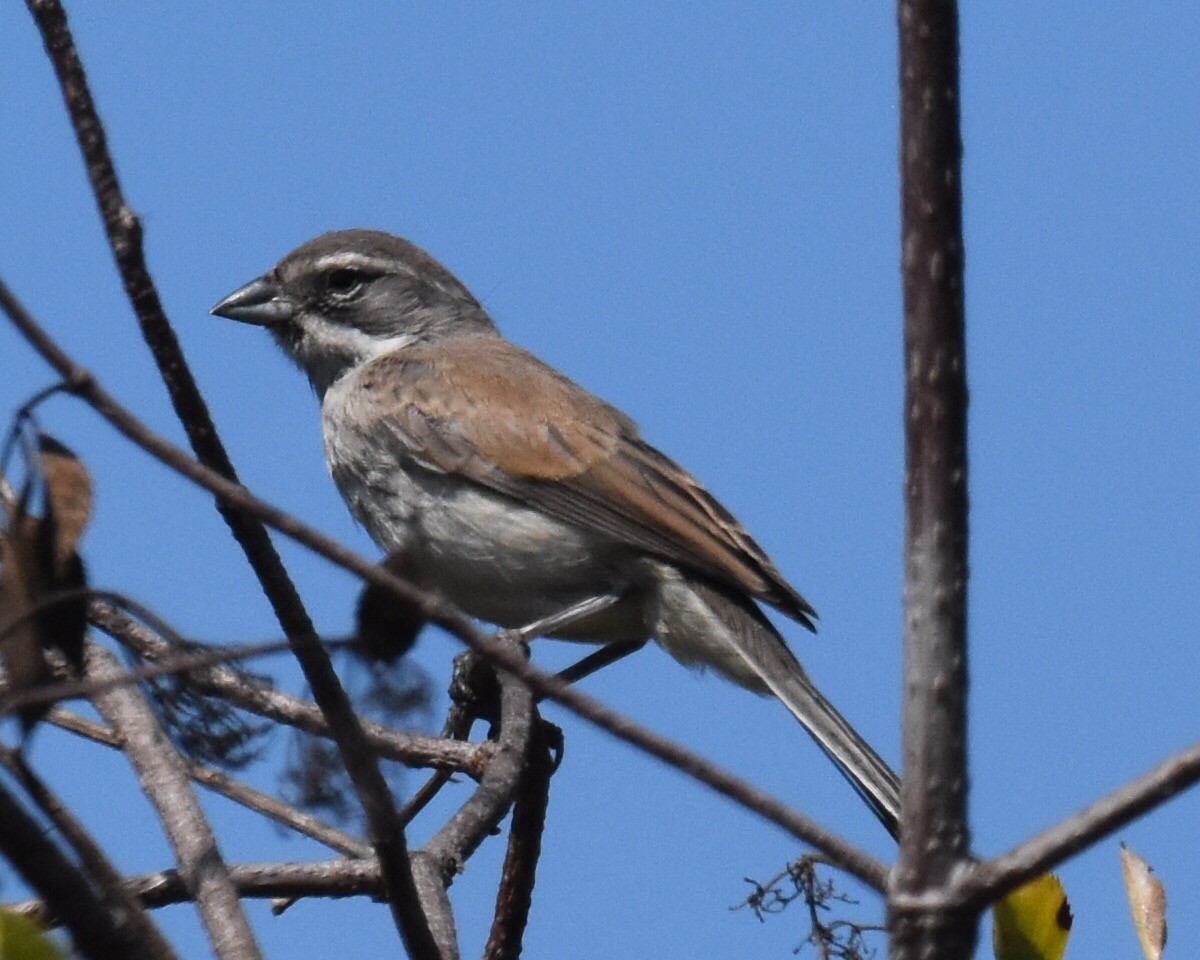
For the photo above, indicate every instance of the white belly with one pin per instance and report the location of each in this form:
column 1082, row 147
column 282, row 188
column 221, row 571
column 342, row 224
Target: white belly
column 486, row 554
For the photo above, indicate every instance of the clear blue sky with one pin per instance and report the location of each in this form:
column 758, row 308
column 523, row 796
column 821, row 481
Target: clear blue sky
column 692, row 210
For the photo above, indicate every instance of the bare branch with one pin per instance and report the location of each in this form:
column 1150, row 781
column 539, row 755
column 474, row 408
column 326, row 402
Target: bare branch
column 265, row 701
column 519, row 873
column 447, row 851
column 404, row 902
column 328, row 878
column 164, row 781
column 124, row 233
column 232, row 789
column 461, row 835
column 934, row 836
column 992, row 879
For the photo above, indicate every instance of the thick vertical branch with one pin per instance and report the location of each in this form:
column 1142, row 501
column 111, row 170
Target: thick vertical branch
column 934, row 835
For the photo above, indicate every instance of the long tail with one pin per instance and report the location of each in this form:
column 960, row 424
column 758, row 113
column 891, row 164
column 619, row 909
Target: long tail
column 727, row 631
column 866, row 771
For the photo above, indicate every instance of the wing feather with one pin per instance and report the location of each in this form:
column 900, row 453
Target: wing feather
column 489, row 411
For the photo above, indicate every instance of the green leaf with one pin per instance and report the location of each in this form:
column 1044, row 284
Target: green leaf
column 22, row 939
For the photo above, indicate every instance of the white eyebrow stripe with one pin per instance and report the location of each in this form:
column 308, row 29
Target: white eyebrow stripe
column 352, row 260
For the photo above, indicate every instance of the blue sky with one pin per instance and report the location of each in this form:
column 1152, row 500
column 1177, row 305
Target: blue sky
column 693, row 212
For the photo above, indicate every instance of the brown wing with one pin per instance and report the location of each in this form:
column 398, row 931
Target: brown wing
column 492, row 412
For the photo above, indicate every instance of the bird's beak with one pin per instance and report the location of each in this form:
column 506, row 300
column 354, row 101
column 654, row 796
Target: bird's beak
column 259, row 302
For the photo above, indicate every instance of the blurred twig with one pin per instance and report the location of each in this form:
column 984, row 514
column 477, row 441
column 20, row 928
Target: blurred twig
column 101, row 871
column 340, row 877
column 164, row 780
column 232, row 789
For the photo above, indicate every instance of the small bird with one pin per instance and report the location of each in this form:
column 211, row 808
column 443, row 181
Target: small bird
column 497, row 483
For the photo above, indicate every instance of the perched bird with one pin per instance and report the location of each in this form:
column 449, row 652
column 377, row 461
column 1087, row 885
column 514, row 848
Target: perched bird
column 496, row 482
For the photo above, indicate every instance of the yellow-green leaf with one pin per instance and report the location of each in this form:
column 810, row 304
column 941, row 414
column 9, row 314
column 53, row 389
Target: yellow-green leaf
column 22, row 939
column 1032, row 922
column 1147, row 903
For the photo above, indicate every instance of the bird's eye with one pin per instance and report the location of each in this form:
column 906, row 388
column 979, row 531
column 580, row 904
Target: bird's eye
column 343, row 281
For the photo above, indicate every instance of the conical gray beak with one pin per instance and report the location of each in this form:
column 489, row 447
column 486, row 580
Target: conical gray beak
column 259, row 302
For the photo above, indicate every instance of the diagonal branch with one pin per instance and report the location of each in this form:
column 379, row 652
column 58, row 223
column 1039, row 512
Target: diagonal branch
column 992, row 879
column 103, row 874
column 265, row 701
column 99, row 932
column 125, row 237
column 164, row 780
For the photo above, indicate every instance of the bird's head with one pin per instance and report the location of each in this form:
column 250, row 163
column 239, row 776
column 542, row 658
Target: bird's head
column 351, row 295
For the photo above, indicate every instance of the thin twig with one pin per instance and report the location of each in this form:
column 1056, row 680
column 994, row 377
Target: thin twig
column 519, row 873
column 263, row 700
column 341, row 877
column 164, row 780
column 230, row 788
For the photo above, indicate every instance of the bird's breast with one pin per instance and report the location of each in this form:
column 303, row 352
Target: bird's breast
column 493, row 557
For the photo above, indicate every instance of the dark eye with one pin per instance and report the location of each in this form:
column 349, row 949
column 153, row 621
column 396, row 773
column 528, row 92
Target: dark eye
column 343, row 281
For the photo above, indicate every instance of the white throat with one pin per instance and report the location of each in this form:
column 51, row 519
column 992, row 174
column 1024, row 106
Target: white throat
column 327, row 352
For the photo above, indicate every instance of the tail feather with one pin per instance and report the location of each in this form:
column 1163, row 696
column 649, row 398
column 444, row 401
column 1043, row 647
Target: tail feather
column 870, row 776
column 700, row 622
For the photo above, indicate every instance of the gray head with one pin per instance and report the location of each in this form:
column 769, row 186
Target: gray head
column 351, row 295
